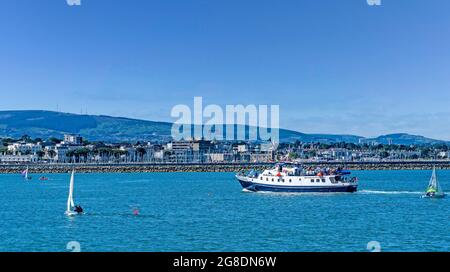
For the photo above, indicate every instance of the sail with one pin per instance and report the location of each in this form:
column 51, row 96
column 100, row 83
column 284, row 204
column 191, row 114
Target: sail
column 70, row 204
column 434, row 184
column 25, row 173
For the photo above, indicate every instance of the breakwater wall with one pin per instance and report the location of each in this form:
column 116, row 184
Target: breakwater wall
column 230, row 167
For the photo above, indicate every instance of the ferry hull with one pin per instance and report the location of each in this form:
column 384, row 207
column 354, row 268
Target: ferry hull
column 257, row 187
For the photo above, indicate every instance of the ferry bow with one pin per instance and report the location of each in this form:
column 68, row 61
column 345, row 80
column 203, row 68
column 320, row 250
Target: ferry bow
column 287, row 178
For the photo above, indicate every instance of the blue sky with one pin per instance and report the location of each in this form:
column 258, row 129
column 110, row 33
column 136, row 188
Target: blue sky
column 332, row 66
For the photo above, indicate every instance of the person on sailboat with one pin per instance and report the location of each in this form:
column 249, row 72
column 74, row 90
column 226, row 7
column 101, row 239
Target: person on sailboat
column 431, row 191
column 78, row 209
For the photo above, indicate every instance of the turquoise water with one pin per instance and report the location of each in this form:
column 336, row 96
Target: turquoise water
column 209, row 212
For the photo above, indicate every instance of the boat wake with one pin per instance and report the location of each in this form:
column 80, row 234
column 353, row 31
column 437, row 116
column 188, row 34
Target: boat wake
column 389, row 192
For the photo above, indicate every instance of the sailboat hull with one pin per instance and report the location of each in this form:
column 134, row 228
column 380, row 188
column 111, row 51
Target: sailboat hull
column 70, row 213
column 434, row 196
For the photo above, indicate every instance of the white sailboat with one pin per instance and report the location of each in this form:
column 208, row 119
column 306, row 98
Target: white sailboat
column 25, row 174
column 70, row 205
column 434, row 189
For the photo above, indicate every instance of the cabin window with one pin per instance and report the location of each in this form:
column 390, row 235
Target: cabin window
column 312, row 180
column 323, row 180
column 267, row 179
column 290, row 180
column 272, row 179
column 333, row 180
column 317, row 180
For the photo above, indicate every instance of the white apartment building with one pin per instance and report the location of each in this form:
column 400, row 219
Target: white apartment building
column 443, row 155
column 24, row 148
column 216, row 157
column 73, row 139
column 242, row 148
column 61, row 150
column 18, row 158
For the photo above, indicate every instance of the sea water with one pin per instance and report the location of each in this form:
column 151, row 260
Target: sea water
column 210, row 212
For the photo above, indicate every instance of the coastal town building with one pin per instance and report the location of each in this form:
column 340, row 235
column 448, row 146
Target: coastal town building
column 24, row 148
column 443, row 155
column 221, row 157
column 13, row 159
column 72, row 139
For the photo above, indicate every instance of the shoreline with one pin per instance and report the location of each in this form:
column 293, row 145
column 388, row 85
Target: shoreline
column 230, row 167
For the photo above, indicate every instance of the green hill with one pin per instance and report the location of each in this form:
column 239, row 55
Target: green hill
column 45, row 124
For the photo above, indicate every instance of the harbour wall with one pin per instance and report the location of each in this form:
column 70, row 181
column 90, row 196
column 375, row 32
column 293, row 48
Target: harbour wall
column 221, row 167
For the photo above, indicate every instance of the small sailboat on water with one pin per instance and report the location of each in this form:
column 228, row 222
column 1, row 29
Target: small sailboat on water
column 71, row 208
column 25, row 174
column 434, row 189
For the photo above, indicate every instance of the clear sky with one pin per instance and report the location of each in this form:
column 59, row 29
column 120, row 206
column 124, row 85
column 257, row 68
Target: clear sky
column 333, row 66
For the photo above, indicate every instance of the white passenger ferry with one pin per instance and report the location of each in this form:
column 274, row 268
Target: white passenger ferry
column 290, row 178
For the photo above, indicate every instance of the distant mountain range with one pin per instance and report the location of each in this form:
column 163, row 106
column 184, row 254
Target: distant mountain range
column 45, row 124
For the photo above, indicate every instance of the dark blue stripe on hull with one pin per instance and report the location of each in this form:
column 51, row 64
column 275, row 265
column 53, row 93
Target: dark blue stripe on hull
column 296, row 189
